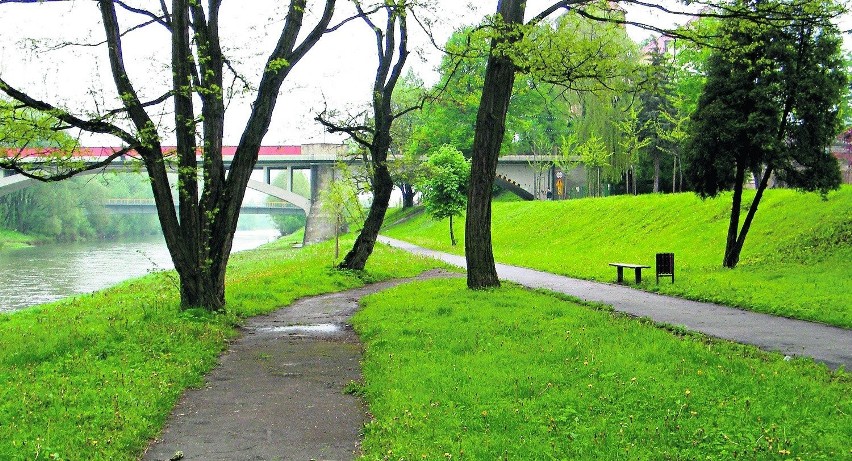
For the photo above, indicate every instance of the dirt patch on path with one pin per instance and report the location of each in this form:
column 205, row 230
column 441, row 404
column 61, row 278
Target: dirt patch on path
column 277, row 393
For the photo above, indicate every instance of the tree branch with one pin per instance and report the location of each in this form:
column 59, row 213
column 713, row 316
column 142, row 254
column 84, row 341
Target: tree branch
column 15, row 164
column 93, row 126
column 122, row 82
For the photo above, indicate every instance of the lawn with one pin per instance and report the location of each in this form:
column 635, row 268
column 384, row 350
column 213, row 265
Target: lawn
column 94, row 377
column 514, row 374
column 796, row 260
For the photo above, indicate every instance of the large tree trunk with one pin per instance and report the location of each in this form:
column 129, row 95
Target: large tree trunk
column 201, row 288
column 357, row 257
column 490, row 127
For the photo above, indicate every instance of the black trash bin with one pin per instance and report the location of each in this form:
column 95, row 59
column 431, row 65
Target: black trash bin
column 665, row 266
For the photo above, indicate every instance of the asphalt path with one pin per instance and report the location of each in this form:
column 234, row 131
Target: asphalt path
column 824, row 343
column 278, row 392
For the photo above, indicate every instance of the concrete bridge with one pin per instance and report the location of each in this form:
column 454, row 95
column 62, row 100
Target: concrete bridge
column 148, row 206
column 514, row 172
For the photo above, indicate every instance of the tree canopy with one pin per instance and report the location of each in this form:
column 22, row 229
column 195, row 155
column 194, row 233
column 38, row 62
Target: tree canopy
column 444, row 184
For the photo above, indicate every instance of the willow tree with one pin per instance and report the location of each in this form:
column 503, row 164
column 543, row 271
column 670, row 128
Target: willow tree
column 199, row 232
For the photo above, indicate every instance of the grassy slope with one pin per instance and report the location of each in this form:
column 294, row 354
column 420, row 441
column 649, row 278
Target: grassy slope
column 95, row 376
column 796, row 262
column 512, row 374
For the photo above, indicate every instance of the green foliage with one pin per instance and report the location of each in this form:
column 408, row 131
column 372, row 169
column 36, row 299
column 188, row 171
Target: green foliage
column 287, row 224
column 797, row 264
column 74, row 209
column 572, row 72
column 444, row 185
column 512, row 374
column 341, row 198
column 631, row 141
column 26, row 127
column 94, row 377
column 771, row 101
column 594, row 155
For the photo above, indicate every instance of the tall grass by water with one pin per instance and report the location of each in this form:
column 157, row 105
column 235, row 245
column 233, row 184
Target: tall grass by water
column 512, row 374
column 796, row 262
column 94, row 377
column 11, row 239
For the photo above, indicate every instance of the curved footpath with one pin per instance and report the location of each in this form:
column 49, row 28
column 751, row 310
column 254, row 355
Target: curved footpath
column 824, row 343
column 278, row 391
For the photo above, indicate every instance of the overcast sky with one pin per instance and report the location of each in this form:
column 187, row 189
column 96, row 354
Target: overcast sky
column 338, row 72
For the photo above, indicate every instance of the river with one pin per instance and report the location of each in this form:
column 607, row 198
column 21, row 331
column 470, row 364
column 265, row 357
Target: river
column 44, row 273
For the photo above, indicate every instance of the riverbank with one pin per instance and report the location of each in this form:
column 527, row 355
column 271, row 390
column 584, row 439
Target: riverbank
column 51, row 271
column 10, row 239
column 95, row 376
column 448, row 371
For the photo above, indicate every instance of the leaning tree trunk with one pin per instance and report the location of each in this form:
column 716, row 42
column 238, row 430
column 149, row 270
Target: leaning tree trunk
column 357, row 257
column 452, row 234
column 488, row 136
column 732, row 253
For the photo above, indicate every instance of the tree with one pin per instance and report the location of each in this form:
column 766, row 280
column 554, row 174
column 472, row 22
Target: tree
column 594, row 155
column 375, row 136
column 631, row 143
column 407, row 163
column 341, row 201
column 676, row 134
column 199, row 233
column 548, row 56
column 444, row 186
column 488, row 136
column 656, row 97
column 287, row 224
column 770, row 106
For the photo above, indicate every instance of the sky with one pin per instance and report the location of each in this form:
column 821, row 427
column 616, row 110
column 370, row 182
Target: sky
column 337, row 73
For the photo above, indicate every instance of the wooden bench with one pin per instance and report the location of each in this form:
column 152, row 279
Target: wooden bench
column 637, row 267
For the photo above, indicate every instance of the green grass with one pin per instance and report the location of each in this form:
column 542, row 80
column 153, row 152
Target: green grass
column 796, row 260
column 11, row 239
column 512, row 374
column 94, row 377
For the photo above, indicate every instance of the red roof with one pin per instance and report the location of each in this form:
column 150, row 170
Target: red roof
column 228, row 151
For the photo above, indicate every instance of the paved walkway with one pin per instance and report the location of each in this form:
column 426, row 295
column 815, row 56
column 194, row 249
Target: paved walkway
column 831, row 345
column 277, row 393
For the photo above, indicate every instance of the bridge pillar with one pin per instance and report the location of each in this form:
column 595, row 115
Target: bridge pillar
column 320, row 224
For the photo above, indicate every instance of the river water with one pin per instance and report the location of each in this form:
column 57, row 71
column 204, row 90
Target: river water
column 39, row 274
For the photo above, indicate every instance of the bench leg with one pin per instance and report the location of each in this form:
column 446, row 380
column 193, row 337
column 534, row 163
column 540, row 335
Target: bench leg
column 638, row 275
column 620, row 274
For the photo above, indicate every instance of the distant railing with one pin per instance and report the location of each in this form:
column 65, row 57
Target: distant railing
column 151, row 202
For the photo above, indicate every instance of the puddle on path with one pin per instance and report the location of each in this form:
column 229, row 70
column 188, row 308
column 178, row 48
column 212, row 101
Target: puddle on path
column 321, row 328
